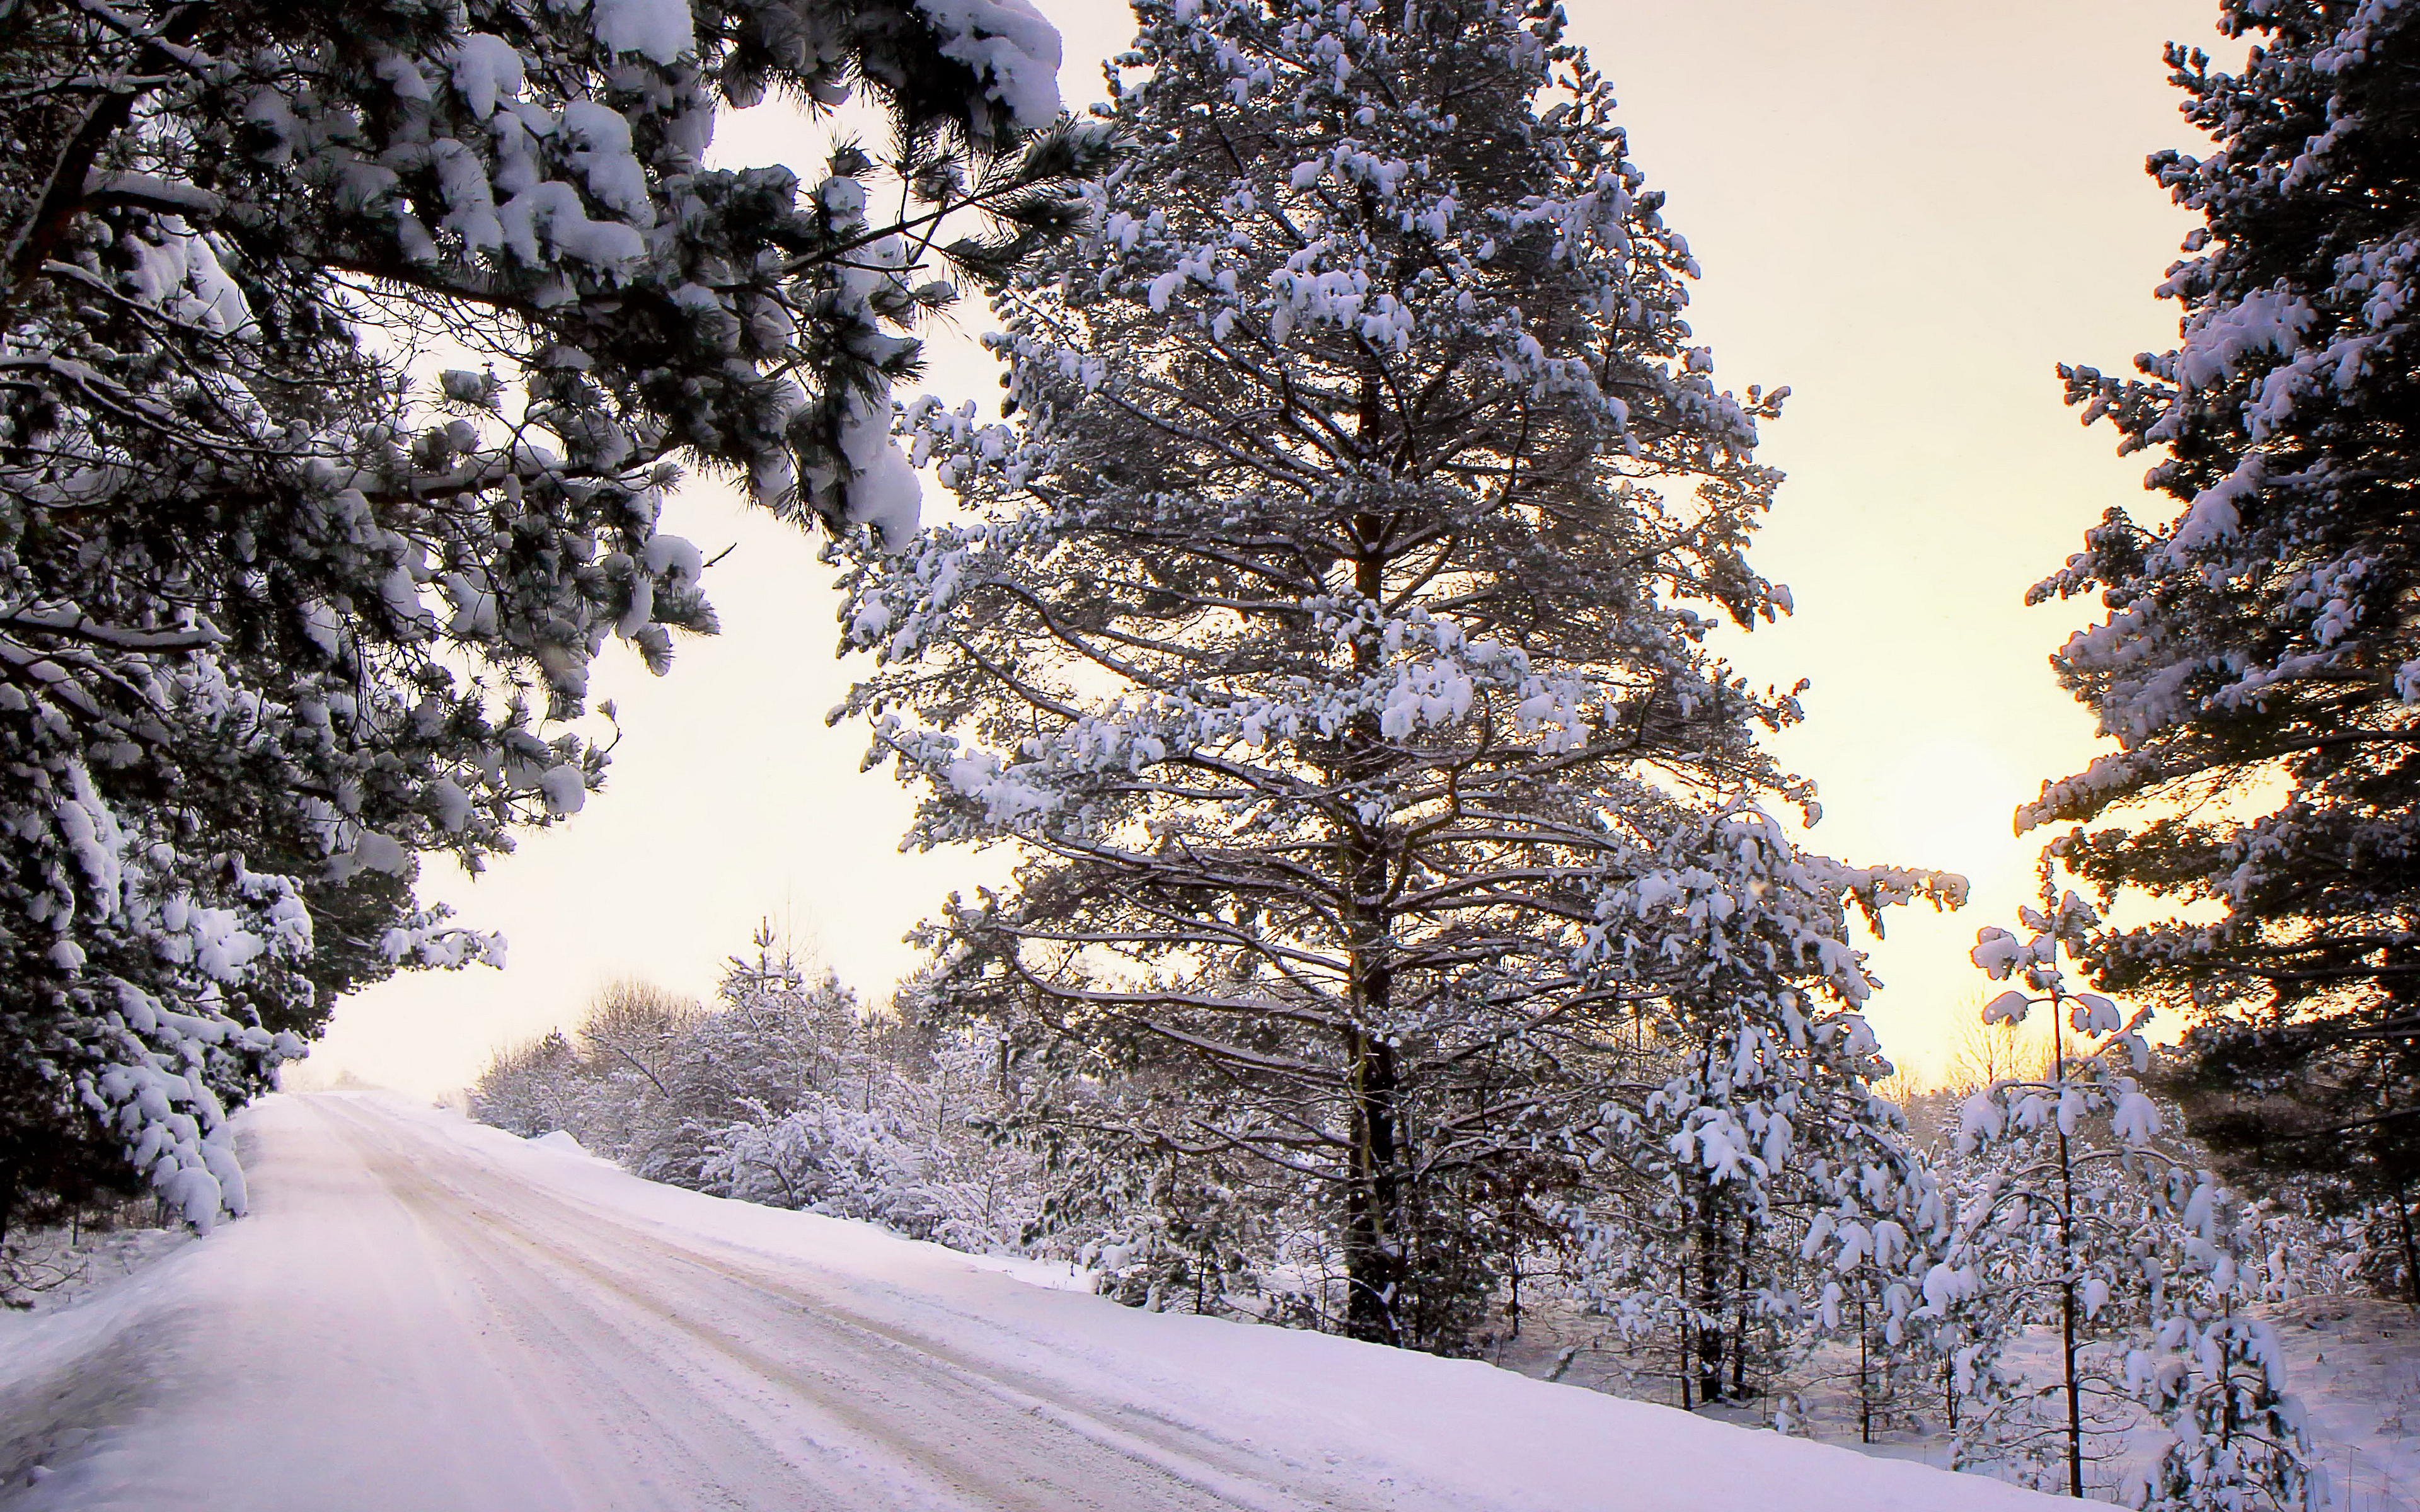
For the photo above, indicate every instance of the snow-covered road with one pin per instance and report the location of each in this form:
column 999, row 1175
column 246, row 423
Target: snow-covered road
column 427, row 1314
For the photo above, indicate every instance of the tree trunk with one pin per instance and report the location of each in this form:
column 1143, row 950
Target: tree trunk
column 2074, row 1390
column 1373, row 1246
column 1740, row 1321
column 2067, row 1285
column 1865, row 1376
column 1373, row 1255
column 1513, row 1265
column 1711, row 1267
column 2410, row 1248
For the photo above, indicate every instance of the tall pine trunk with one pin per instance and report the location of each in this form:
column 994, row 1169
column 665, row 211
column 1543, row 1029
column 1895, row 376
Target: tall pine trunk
column 2071, row 1383
column 1374, row 1241
column 1713, row 1266
column 1375, row 1251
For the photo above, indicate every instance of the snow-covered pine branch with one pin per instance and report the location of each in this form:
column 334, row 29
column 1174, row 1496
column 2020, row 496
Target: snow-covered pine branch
column 2259, row 664
column 274, row 620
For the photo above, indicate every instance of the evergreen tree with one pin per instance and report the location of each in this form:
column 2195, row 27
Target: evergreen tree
column 2238, row 1440
column 2087, row 1225
column 1332, row 634
column 2260, row 664
column 1748, row 1179
column 275, row 618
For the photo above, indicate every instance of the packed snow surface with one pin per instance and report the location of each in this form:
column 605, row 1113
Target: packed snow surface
column 426, row 1314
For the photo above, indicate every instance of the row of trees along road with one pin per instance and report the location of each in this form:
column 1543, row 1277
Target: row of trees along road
column 276, row 619
column 787, row 1090
column 1327, row 624
column 2070, row 1299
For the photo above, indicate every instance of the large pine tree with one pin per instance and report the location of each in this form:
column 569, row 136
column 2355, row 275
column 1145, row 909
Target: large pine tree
column 1332, row 636
column 2259, row 665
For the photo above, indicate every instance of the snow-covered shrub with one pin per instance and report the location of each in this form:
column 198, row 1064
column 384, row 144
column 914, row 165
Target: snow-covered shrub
column 533, row 1088
column 1747, row 1184
column 783, row 1091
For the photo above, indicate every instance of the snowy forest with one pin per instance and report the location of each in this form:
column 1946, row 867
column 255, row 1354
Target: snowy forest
column 1411, row 935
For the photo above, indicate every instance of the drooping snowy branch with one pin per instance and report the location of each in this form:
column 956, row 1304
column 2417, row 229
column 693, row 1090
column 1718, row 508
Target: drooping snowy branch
column 276, row 619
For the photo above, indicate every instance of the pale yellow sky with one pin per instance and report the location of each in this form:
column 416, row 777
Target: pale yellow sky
column 1908, row 210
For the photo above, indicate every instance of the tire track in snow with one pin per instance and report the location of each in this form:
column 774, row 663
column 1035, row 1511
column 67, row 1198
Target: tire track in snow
column 947, row 1429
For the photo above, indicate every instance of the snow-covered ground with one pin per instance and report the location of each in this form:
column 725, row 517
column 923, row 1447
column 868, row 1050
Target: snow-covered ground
column 427, row 1314
column 2353, row 1360
column 2356, row 1361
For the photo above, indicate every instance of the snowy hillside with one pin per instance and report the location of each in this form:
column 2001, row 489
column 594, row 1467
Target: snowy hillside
column 424, row 1313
